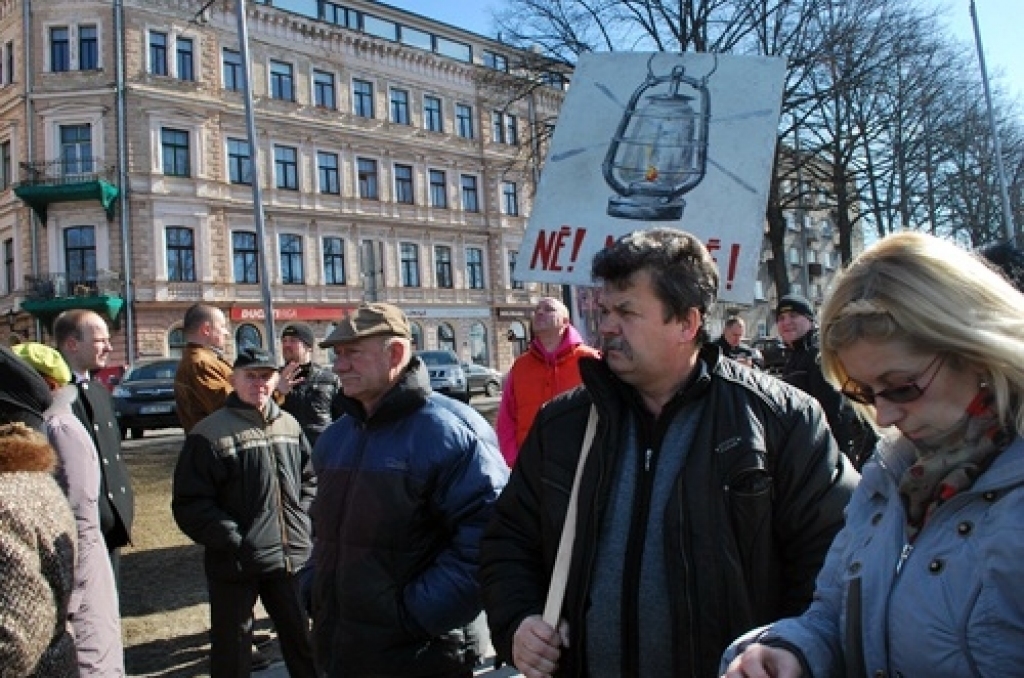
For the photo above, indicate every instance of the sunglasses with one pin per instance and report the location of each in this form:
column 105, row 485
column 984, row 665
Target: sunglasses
column 906, row 393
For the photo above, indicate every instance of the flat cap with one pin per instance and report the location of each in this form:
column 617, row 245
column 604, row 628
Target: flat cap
column 45, row 360
column 369, row 320
column 251, row 358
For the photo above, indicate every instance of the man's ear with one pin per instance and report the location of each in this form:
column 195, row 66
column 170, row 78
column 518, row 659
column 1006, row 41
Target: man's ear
column 690, row 325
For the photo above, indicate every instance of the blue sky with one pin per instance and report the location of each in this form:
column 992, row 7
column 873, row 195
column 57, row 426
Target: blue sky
column 1000, row 22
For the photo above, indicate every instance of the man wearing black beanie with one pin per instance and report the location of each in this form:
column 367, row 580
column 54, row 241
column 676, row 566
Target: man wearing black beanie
column 306, row 390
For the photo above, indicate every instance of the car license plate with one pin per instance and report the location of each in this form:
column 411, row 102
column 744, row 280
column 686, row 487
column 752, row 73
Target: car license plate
column 154, row 409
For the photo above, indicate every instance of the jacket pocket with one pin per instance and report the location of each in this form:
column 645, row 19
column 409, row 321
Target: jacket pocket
column 749, row 493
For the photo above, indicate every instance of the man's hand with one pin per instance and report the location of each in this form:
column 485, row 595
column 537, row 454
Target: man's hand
column 289, row 378
column 761, row 661
column 536, row 647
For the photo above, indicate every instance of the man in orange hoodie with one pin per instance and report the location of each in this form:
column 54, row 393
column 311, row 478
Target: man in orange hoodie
column 546, row 369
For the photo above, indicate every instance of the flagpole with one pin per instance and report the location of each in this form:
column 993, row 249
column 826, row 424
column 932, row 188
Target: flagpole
column 1003, row 190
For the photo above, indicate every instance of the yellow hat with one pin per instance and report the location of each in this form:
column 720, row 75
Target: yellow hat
column 45, row 360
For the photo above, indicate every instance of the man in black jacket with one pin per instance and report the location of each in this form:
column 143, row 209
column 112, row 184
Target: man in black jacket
column 794, row 319
column 706, row 505
column 83, row 338
column 308, row 392
column 243, row 486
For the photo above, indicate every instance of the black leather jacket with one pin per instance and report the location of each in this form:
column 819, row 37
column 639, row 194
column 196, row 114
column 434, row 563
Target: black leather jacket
column 314, row 402
column 754, row 510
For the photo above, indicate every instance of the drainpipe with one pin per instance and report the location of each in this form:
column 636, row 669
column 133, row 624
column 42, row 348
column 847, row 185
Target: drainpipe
column 33, row 220
column 122, row 180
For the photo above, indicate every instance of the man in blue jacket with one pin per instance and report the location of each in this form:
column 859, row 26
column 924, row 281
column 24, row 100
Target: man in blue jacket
column 407, row 482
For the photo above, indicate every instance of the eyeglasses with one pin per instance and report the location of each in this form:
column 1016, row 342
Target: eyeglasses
column 907, row 393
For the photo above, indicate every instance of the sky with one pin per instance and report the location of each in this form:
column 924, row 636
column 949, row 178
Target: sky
column 999, row 22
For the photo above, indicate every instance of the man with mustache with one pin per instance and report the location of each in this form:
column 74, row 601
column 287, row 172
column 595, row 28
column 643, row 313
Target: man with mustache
column 706, row 504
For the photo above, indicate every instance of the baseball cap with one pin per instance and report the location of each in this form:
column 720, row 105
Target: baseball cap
column 45, row 360
column 251, row 358
column 301, row 332
column 796, row 304
column 377, row 319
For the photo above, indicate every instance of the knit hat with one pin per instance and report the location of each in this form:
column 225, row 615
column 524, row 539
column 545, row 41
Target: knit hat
column 1008, row 259
column 794, row 303
column 251, row 358
column 301, row 332
column 24, row 395
column 378, row 319
column 45, row 360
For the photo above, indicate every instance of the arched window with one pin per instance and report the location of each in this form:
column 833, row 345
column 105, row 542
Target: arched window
column 478, row 352
column 176, row 342
column 417, row 336
column 445, row 337
column 248, row 335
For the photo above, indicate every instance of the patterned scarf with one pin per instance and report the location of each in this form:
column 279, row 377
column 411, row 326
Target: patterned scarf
column 950, row 462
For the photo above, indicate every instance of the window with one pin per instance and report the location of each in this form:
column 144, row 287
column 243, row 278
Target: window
column 510, row 198
column 464, row 120
column 9, row 62
column 60, row 50
column 399, row 106
column 443, row 266
column 80, row 254
column 470, row 197
column 334, row 261
column 336, row 14
column 181, row 254
column 246, row 260
column 367, row 176
column 157, row 53
column 185, row 59
column 9, row 265
column 175, row 152
column 474, row 268
column 410, row 265
column 445, row 337
column 432, row 119
column 438, row 189
column 794, row 256
column 505, row 130
column 5, row 165
column 88, row 48
column 291, row 259
column 281, row 82
column 327, row 169
column 382, row 28
column 248, row 335
column 239, row 162
column 323, row 90
column 512, row 257
column 759, row 293
column 403, row 184
column 286, row 167
column 498, row 62
column 75, row 149
column 231, row 64
column 362, row 98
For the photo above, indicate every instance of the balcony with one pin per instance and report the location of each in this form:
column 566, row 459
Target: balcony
column 67, row 181
column 49, row 295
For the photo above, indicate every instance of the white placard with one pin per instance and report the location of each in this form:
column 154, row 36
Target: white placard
column 711, row 120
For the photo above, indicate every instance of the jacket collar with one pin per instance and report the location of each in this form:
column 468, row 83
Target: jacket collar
column 409, row 393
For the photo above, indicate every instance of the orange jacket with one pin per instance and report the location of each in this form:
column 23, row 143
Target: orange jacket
column 201, row 385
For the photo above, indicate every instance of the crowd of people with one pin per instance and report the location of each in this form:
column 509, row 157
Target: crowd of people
column 653, row 505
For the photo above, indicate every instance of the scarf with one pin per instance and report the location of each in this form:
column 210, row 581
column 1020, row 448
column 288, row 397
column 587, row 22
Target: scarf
column 950, row 462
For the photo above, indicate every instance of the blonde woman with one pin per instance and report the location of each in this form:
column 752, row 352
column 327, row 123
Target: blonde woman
column 925, row 578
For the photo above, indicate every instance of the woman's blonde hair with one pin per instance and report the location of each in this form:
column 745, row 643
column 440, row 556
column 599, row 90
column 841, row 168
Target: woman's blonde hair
column 936, row 298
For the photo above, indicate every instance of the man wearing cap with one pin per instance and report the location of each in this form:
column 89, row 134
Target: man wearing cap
column 242, row 488
column 308, row 392
column 407, row 481
column 794, row 319
column 93, row 610
column 83, row 339
column 203, row 379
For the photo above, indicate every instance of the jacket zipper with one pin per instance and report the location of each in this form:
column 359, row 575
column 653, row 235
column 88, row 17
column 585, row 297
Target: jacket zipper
column 634, row 564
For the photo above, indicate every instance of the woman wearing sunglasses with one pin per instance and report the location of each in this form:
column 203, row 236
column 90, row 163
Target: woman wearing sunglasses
column 927, row 576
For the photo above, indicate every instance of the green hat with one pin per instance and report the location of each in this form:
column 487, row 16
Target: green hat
column 369, row 320
column 44, row 360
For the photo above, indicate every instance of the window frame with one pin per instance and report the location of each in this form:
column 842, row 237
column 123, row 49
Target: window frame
column 175, row 156
column 250, row 258
column 157, row 53
column 328, row 177
column 433, row 114
column 184, row 59
column 180, row 257
column 438, row 189
column 464, row 120
column 510, row 198
column 60, row 50
column 88, row 48
column 474, row 268
column 443, row 272
column 234, row 68
column 286, row 169
column 282, row 80
column 409, row 264
column 290, row 250
column 362, row 98
column 404, row 188
column 470, row 192
column 398, row 106
column 85, row 255
column 368, row 178
column 238, row 163
column 332, row 261
column 325, row 94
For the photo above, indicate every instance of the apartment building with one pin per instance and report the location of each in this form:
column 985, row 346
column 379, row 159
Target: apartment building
column 390, row 159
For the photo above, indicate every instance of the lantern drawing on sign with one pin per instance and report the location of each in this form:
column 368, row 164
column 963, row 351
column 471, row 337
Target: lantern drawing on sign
column 659, row 151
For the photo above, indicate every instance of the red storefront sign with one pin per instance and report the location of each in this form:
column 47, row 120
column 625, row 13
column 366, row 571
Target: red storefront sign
column 285, row 313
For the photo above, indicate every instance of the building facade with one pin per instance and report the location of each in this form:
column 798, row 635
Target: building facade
column 391, row 163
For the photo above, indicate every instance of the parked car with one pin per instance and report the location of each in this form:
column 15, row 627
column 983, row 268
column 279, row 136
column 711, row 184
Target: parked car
column 482, row 379
column 144, row 400
column 446, row 373
column 773, row 353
